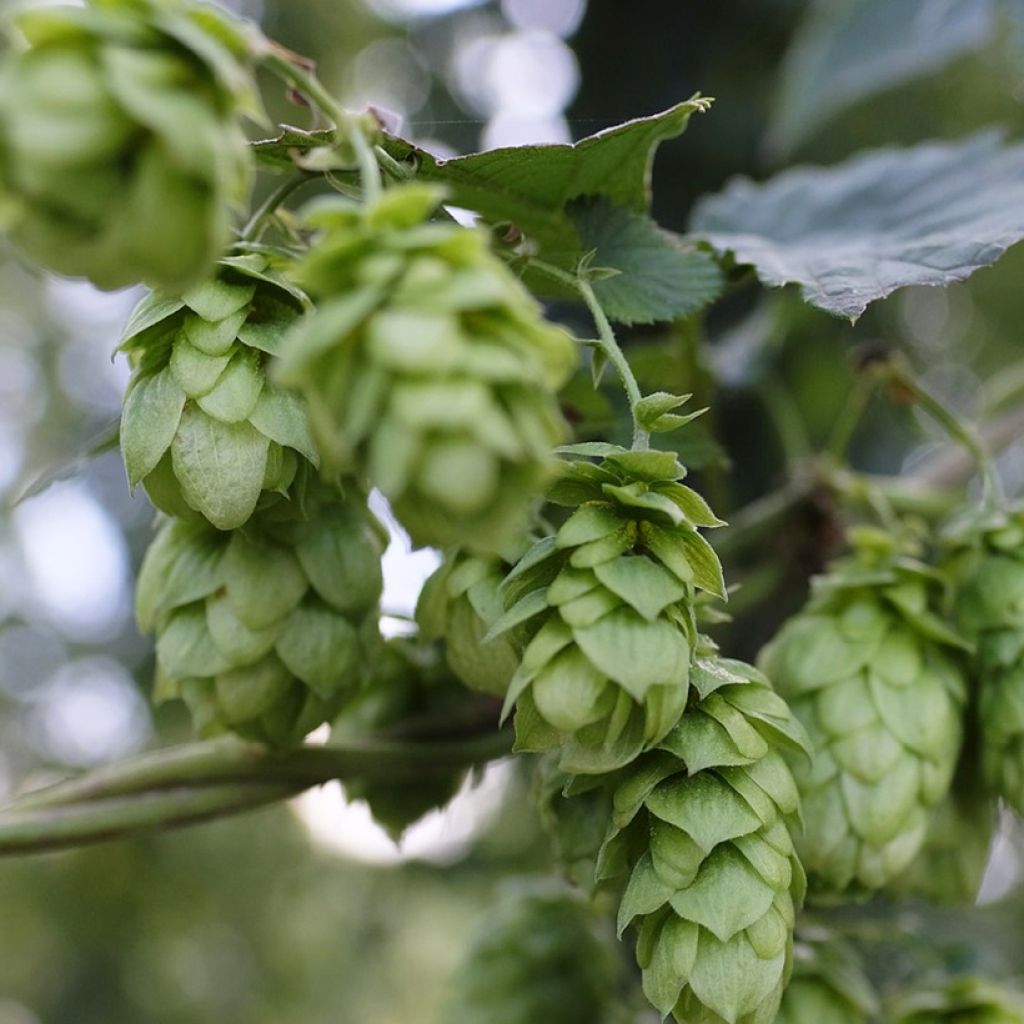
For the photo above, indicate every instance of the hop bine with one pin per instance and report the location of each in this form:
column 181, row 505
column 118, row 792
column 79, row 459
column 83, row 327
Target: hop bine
column 428, row 368
column 873, row 674
column 828, row 985
column 121, row 152
column 990, row 611
column 203, row 430
column 604, row 610
column 961, row 1001
column 265, row 632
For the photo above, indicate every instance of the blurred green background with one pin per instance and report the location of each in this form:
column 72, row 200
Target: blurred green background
column 306, row 914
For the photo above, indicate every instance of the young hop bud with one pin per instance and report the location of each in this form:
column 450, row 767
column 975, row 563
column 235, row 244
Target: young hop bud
column 990, row 611
column 264, row 632
column 872, row 673
column 203, row 429
column 701, row 826
column 120, row 148
column 606, row 610
column 963, row 1001
column 828, row 986
column 539, row 956
column 459, row 604
column 428, row 368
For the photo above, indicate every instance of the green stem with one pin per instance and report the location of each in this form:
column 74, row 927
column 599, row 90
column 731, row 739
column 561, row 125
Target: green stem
column 254, row 228
column 849, row 419
column 607, row 340
column 345, row 121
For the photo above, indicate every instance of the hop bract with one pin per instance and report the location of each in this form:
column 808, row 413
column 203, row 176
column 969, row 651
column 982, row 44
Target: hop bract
column 120, row 148
column 606, row 613
column 428, row 368
column 962, row 1001
column 539, row 956
column 264, row 632
column 828, row 986
column 702, row 826
column 990, row 610
column 872, row 673
column 459, row 604
column 203, row 430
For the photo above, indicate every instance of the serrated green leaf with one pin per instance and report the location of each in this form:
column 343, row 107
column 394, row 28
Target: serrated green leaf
column 152, row 414
column 282, row 417
column 522, row 611
column 645, row 893
column 644, row 585
column 707, row 569
column 291, row 143
column 707, row 809
column 659, row 276
column 701, row 743
column 588, row 523
column 694, row 507
column 320, row 648
column 153, row 309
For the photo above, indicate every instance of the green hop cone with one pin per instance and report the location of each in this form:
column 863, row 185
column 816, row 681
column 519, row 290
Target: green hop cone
column 701, row 827
column 428, row 368
column 828, row 986
column 203, row 429
column 605, row 608
column 540, row 955
column 121, row 152
column 264, row 632
column 871, row 671
column 409, row 688
column 990, row 611
column 459, row 604
column 962, row 1001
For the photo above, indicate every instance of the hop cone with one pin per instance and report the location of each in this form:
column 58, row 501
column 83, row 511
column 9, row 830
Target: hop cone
column 459, row 604
column 538, row 956
column 428, row 367
column 990, row 610
column 203, row 429
column 701, row 825
column 870, row 672
column 606, row 607
column 120, row 151
column 264, row 632
column 963, row 1001
column 828, row 986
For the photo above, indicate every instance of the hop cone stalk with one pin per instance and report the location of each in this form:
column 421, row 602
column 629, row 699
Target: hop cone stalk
column 120, row 148
column 264, row 632
column 538, row 956
column 203, row 429
column 871, row 672
column 605, row 609
column 459, row 604
column 828, row 986
column 962, row 1001
column 990, row 611
column 701, row 826
column 428, row 368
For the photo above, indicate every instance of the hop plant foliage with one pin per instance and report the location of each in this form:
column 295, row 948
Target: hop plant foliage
column 872, row 672
column 990, row 611
column 828, row 986
column 961, row 1001
column 121, row 153
column 540, row 955
column 701, row 828
column 606, row 606
column 428, row 368
column 265, row 632
column 203, row 429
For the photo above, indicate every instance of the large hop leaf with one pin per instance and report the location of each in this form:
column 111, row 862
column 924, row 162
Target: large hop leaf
column 828, row 986
column 265, row 632
column 429, row 368
column 538, row 956
column 873, row 675
column 604, row 609
column 963, row 1001
column 990, row 610
column 700, row 827
column 120, row 148
column 203, row 430
column 459, row 604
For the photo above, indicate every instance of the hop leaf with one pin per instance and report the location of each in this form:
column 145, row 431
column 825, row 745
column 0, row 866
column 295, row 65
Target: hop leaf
column 873, row 674
column 203, row 430
column 266, row 632
column 428, row 368
column 122, row 152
